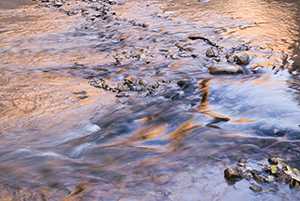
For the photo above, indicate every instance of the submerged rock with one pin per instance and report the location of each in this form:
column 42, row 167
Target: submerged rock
column 272, row 171
column 225, row 69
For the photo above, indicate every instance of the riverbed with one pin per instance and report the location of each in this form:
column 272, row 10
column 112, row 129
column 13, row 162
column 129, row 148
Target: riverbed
column 62, row 138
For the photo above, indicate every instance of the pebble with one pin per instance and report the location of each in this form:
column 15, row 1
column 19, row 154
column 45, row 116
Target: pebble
column 242, row 58
column 212, row 52
column 232, row 174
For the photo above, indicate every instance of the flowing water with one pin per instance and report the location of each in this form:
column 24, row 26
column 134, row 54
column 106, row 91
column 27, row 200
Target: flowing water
column 62, row 139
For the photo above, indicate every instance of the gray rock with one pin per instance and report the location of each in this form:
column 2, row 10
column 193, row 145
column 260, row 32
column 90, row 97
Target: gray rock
column 212, row 52
column 225, row 69
column 242, row 58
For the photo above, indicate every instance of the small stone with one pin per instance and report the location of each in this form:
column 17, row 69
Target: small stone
column 58, row 3
column 273, row 169
column 242, row 58
column 232, row 174
column 122, row 87
column 183, row 84
column 294, row 183
column 242, row 162
column 273, row 160
column 122, row 95
column 142, row 82
column 83, row 97
column 195, row 37
column 212, row 52
column 257, row 176
column 225, row 69
column 270, row 178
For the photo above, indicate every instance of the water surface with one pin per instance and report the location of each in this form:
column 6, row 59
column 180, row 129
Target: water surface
column 62, row 138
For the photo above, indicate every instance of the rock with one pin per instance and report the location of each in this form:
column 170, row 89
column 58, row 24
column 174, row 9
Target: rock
column 230, row 58
column 122, row 95
column 58, row 3
column 273, row 160
column 273, row 169
column 199, row 37
column 212, row 52
column 242, row 162
column 294, row 183
column 232, row 174
column 242, row 58
column 225, row 69
column 276, row 170
column 256, row 175
column 131, row 84
column 183, row 84
column 195, row 37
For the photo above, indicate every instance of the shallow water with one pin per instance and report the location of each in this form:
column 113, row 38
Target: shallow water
column 64, row 139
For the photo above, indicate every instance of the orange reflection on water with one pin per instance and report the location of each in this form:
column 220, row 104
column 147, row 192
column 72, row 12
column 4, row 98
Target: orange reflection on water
column 204, row 104
column 273, row 24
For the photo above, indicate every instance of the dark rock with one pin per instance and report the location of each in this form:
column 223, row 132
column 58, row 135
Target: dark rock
column 232, row 174
column 83, row 97
column 58, row 3
column 276, row 170
column 206, row 40
column 183, row 84
column 212, row 52
column 256, row 175
column 256, row 188
column 122, row 95
column 273, row 160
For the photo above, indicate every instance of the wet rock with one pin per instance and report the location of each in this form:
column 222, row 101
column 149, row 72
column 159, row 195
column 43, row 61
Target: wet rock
column 232, row 174
column 58, row 3
column 127, row 85
column 212, row 52
column 183, row 84
column 242, row 162
column 206, row 40
column 274, row 160
column 230, row 58
column 275, row 170
column 242, row 58
column 257, row 176
column 121, row 95
column 225, row 69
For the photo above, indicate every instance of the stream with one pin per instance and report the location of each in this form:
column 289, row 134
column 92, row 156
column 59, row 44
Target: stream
column 61, row 138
